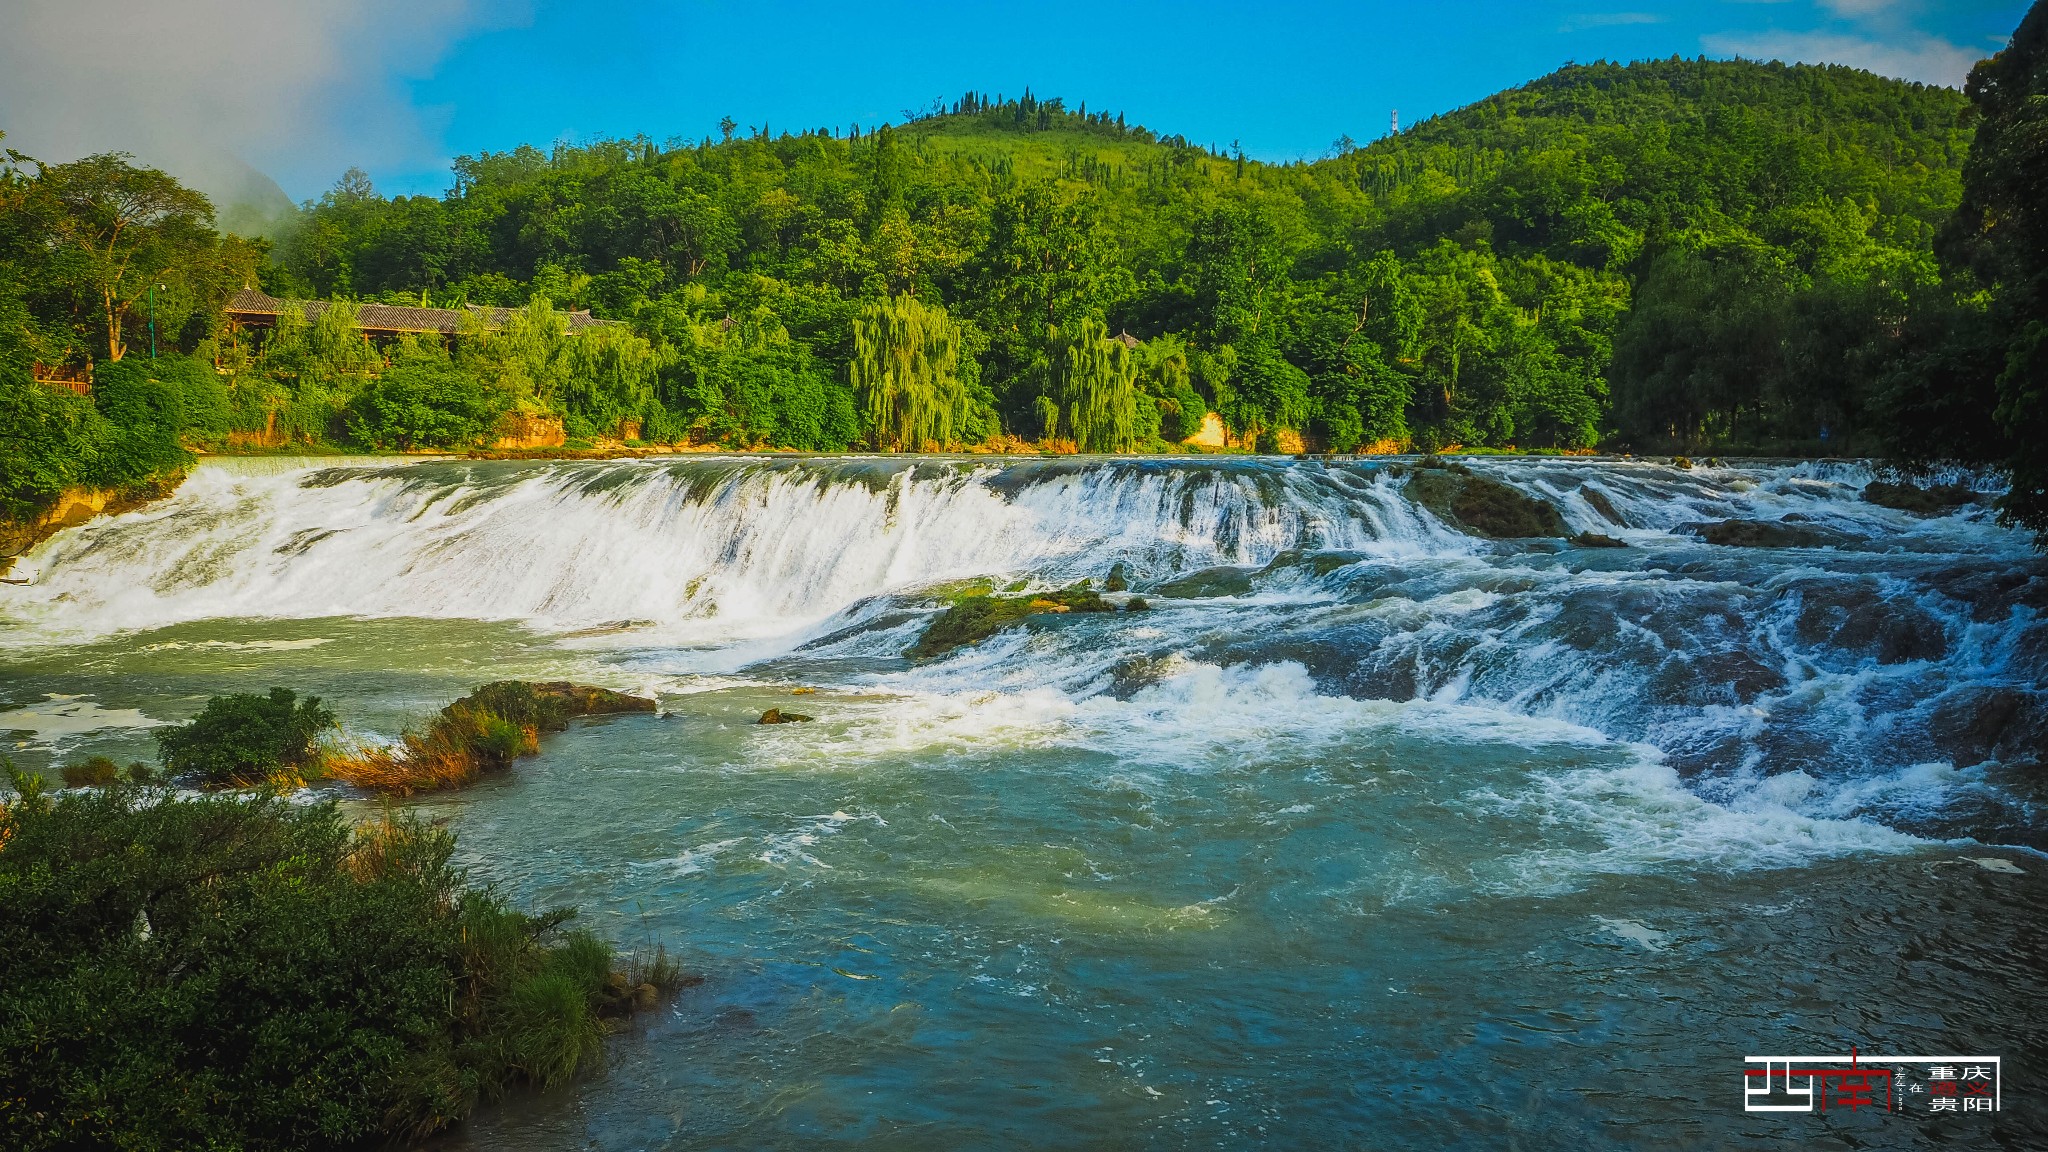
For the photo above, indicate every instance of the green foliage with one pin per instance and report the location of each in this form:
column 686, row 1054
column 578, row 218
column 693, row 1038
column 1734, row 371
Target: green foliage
column 1971, row 383
column 423, row 400
column 125, row 250
column 148, row 418
column 1092, row 398
column 1728, row 248
column 246, row 972
column 245, row 738
column 50, row 440
column 906, row 368
column 92, row 772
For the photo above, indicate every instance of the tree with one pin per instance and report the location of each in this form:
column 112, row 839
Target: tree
column 423, row 400
column 1999, row 239
column 244, row 738
column 1093, row 396
column 907, row 369
column 130, row 228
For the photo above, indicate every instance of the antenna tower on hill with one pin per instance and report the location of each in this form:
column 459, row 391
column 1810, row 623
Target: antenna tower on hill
column 1394, row 122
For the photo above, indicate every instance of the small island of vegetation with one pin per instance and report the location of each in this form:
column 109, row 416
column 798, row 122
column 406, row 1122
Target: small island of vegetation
column 245, row 969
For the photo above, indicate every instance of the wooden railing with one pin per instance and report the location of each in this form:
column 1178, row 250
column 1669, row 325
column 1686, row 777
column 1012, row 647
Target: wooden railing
column 77, row 380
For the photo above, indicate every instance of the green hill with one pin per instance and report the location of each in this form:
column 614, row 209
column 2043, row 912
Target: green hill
column 1682, row 253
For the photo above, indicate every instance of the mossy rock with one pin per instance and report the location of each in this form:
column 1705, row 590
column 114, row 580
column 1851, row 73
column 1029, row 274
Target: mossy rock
column 1207, row 583
column 955, row 591
column 778, row 716
column 1918, row 501
column 549, row 705
column 1483, row 507
column 1600, row 503
column 1766, row 534
column 973, row 619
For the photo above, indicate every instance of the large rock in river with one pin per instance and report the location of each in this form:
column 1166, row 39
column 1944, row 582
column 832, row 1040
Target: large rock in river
column 1918, row 501
column 1766, row 534
column 1480, row 506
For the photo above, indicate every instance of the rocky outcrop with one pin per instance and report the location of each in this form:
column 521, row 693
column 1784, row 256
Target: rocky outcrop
column 1598, row 501
column 75, row 506
column 778, row 716
column 1766, row 534
column 1479, row 506
column 482, row 732
column 974, row 618
column 1207, row 583
column 1918, row 501
column 516, row 431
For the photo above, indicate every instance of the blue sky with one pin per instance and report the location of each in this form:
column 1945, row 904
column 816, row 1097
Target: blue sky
column 400, row 86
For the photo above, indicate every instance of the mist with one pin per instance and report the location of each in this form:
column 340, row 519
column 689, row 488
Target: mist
column 250, row 101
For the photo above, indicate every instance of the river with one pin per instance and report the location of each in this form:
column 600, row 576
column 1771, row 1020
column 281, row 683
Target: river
column 1369, row 833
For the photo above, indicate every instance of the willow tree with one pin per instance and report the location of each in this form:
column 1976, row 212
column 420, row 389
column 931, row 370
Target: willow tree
column 1092, row 390
column 906, row 366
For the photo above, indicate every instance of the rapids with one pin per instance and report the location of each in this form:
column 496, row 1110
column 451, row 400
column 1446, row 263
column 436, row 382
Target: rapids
column 1244, row 868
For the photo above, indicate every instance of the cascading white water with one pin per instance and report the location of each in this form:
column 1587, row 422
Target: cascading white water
column 1877, row 660
column 721, row 548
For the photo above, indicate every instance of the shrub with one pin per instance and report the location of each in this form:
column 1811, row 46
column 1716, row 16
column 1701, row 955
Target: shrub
column 422, row 402
column 148, row 418
column 94, row 772
column 244, row 972
column 245, row 738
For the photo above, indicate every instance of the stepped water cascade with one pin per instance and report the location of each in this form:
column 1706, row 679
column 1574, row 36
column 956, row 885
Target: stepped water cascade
column 1362, row 799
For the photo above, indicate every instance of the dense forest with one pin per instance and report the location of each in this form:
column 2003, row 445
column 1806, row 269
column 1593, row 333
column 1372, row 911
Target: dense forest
column 1674, row 255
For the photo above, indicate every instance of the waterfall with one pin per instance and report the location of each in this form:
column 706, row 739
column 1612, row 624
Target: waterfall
column 1893, row 672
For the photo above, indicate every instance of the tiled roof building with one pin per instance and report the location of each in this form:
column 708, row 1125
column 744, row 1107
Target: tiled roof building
column 251, row 308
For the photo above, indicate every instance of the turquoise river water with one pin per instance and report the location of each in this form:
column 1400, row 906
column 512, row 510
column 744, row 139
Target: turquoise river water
column 1369, row 834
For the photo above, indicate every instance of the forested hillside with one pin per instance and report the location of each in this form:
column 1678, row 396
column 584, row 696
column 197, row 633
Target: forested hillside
column 1721, row 243
column 1677, row 255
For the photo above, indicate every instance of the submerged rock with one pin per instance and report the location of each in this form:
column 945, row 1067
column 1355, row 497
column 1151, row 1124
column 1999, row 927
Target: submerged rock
column 1597, row 540
column 1601, row 504
column 778, row 716
column 1207, row 583
column 1482, row 507
column 1918, row 501
column 1766, row 534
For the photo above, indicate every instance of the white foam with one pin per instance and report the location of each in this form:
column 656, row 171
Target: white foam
column 63, row 719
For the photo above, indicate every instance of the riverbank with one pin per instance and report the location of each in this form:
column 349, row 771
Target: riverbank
column 75, row 506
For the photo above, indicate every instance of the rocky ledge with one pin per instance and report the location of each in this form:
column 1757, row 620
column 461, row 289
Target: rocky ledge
column 1480, row 506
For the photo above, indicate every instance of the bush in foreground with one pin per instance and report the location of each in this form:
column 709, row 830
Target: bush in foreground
column 245, row 738
column 245, row 972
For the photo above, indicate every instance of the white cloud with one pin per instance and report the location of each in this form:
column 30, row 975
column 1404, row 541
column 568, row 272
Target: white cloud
column 303, row 87
column 1609, row 20
column 1858, row 9
column 1911, row 56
